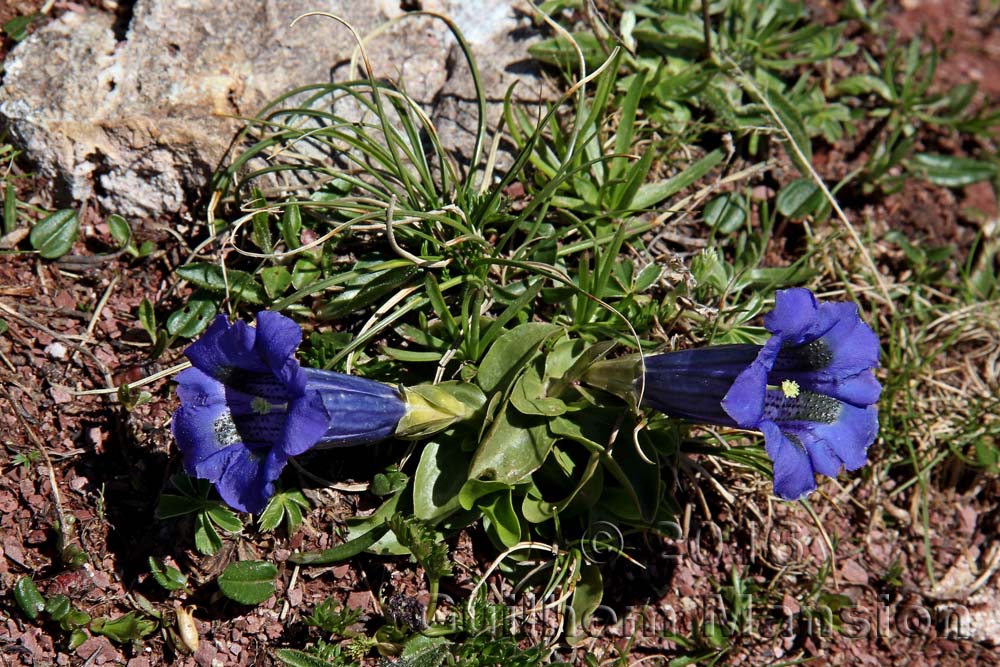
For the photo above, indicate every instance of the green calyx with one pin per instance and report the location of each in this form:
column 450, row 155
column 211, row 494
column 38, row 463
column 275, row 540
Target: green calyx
column 431, row 408
column 616, row 376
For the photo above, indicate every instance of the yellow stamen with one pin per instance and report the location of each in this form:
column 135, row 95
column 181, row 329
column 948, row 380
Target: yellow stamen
column 790, row 388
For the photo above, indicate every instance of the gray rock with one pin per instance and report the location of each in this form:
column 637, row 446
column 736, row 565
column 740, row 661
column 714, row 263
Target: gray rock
column 140, row 124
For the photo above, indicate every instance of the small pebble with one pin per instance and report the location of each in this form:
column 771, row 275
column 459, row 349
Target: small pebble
column 56, row 351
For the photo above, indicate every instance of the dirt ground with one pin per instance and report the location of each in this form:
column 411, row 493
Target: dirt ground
column 73, row 328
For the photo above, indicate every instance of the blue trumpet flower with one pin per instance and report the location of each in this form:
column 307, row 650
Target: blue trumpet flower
column 247, row 407
column 810, row 389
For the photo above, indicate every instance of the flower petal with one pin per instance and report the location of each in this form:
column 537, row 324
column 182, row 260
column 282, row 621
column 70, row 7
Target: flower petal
column 795, row 316
column 862, row 389
column 793, row 471
column 307, row 422
column 744, row 401
column 248, row 480
column 224, row 348
column 277, row 339
column 850, row 436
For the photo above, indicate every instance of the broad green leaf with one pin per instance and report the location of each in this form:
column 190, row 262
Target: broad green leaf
column 248, row 582
column 799, row 199
column 276, row 280
column 54, row 236
column 509, row 354
column 586, row 599
column 124, row 629
column 28, row 598
column 393, row 480
column 305, row 272
column 120, row 230
column 17, row 27
column 242, row 285
column 501, row 519
column 474, row 489
column 514, row 447
column 367, row 289
column 206, row 537
column 528, row 396
column 725, row 213
column 192, row 319
column 952, row 171
column 424, row 651
column 441, row 472
column 58, row 607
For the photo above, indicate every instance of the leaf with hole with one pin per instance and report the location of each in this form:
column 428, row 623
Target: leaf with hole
column 193, row 318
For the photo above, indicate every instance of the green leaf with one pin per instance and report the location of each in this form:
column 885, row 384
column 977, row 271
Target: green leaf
column 28, row 598
column 58, row 607
column 792, row 120
column 211, row 277
column 9, row 208
column 343, row 551
column 248, row 582
column 864, row 84
column 501, row 520
column 305, row 272
column 291, row 225
column 421, row 651
column 367, row 289
column 424, row 543
column 169, row 577
column 295, row 658
column 725, row 213
column 54, row 236
column 124, row 629
column 515, row 446
column 393, row 480
column 799, row 199
column 206, row 538
column 192, row 319
column 653, row 193
column 586, row 599
column 147, row 317
column 441, row 472
column 528, row 396
column 120, row 230
column 17, row 27
column 511, row 352
column 276, row 280
column 224, row 518
column 952, row 171
column 286, row 505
